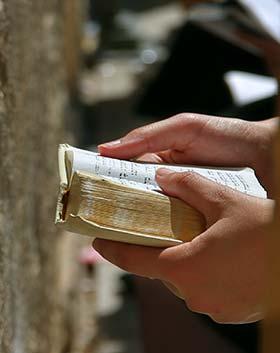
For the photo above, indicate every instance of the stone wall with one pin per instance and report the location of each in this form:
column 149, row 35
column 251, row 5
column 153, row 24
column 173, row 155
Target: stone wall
column 32, row 105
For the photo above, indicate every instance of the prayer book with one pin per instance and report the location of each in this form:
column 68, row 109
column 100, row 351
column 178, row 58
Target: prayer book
column 120, row 200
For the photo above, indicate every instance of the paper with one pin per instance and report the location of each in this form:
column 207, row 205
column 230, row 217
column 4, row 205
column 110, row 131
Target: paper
column 142, row 175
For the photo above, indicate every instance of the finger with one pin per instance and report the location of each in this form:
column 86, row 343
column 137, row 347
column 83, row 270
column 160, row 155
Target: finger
column 151, row 158
column 168, row 157
column 173, row 289
column 176, row 133
column 140, row 260
column 201, row 193
column 175, row 157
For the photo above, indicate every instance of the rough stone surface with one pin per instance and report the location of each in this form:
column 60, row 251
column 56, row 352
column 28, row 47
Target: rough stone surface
column 32, row 103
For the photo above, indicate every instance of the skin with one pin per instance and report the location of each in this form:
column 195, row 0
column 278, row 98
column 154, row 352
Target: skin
column 221, row 272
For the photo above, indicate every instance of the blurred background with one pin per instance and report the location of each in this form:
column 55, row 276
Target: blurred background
column 90, row 72
column 142, row 61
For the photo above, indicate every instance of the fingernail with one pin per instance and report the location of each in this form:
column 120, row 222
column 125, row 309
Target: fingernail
column 163, row 172
column 110, row 144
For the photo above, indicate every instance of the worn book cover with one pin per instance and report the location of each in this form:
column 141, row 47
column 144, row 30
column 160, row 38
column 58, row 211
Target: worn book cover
column 120, row 200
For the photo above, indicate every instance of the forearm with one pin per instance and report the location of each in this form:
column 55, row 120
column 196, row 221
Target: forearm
column 262, row 162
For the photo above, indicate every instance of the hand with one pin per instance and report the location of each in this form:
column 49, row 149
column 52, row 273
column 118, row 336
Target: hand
column 203, row 140
column 220, row 273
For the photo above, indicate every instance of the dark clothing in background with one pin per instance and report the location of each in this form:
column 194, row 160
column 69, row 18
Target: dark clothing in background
column 192, row 80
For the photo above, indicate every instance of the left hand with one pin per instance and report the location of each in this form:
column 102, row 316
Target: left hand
column 221, row 272
column 197, row 139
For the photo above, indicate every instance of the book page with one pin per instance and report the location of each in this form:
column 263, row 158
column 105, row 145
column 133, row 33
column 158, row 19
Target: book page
column 267, row 13
column 142, row 175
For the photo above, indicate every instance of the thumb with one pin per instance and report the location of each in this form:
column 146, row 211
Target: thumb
column 205, row 195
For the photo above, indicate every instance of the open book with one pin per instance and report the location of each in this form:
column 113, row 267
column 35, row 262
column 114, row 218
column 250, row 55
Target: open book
column 120, row 200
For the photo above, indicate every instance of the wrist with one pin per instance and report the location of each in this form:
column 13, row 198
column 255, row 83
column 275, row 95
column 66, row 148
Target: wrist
column 264, row 135
column 262, row 147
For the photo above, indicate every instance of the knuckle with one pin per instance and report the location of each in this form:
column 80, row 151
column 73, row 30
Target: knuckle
column 191, row 119
column 186, row 116
column 202, row 306
column 220, row 319
column 221, row 195
column 144, row 135
column 182, row 120
column 136, row 133
column 194, row 305
column 180, row 117
column 186, row 179
column 222, row 199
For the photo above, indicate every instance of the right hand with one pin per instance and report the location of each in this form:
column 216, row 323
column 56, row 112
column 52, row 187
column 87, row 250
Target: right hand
column 221, row 272
column 201, row 140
